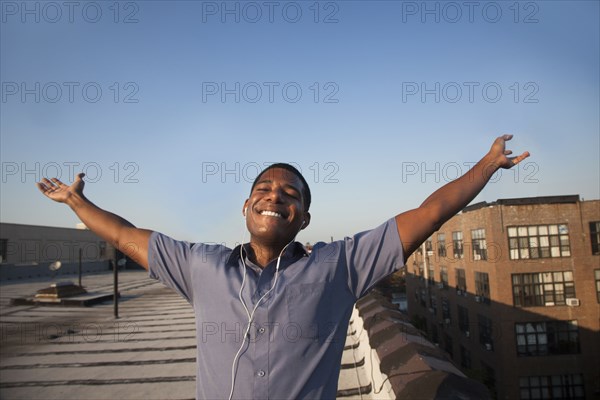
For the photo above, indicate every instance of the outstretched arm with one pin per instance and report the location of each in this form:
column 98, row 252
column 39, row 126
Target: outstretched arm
column 120, row 233
column 415, row 226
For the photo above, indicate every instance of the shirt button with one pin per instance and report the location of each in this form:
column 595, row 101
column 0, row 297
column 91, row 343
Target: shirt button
column 261, row 373
column 261, row 330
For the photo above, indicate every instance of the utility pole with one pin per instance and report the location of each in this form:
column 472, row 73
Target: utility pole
column 116, row 288
column 80, row 253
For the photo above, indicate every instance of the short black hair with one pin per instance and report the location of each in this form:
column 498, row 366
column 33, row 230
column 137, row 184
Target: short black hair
column 305, row 190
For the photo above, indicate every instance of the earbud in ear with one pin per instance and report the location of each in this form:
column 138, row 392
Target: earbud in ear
column 245, row 209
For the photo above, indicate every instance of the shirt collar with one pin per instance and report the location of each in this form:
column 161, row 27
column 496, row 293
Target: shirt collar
column 296, row 251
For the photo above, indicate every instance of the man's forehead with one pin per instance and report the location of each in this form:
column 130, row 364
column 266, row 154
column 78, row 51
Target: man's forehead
column 280, row 174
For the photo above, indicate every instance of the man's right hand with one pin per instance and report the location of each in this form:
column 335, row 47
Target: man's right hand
column 58, row 191
column 122, row 234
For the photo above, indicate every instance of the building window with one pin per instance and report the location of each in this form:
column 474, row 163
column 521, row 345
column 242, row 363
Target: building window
column 430, row 273
column 461, row 280
column 444, row 276
column 429, row 247
column 547, row 338
column 3, row 250
column 434, row 334
column 422, row 297
column 441, row 244
column 479, row 244
column 463, row 320
column 552, row 387
column 432, row 303
column 421, row 273
column 489, row 378
column 485, row 332
column 448, row 345
column 595, row 237
column 597, row 279
column 465, row 357
column 482, row 287
column 538, row 241
column 543, row 288
column 446, row 311
column 457, row 244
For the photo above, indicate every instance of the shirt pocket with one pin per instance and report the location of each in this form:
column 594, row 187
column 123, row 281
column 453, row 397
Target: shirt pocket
column 310, row 312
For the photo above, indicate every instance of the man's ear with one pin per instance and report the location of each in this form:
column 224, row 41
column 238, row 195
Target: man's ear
column 245, row 208
column 306, row 220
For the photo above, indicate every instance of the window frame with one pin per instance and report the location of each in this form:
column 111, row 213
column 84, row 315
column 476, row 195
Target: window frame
column 461, row 279
column 482, row 286
column 532, row 242
column 479, row 244
column 547, row 338
column 595, row 237
column 463, row 319
column 458, row 245
column 597, row 281
column 564, row 386
column 539, row 289
column 486, row 331
column 441, row 244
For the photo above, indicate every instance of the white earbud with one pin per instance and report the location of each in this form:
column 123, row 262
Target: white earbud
column 245, row 209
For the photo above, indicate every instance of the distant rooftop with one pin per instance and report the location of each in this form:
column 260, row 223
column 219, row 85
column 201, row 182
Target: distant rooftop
column 522, row 201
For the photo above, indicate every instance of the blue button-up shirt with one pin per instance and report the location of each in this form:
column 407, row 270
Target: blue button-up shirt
column 297, row 335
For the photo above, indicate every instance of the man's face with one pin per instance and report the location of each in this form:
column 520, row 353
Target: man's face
column 275, row 209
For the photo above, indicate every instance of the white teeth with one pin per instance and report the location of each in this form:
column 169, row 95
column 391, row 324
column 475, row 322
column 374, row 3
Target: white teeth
column 271, row 214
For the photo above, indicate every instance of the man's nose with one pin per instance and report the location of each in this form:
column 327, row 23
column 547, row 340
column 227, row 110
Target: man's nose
column 275, row 195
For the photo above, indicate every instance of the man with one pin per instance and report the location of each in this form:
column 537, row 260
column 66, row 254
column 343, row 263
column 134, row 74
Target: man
column 271, row 320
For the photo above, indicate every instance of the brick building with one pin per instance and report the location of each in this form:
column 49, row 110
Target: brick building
column 511, row 291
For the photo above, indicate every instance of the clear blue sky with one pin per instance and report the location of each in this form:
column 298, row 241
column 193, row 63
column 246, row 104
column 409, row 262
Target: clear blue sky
column 165, row 150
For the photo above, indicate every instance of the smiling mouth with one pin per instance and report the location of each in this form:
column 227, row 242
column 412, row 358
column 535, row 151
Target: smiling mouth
column 271, row 214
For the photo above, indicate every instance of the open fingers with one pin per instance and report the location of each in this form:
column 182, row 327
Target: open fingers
column 47, row 183
column 43, row 188
column 47, row 186
column 57, row 182
column 518, row 159
column 500, row 143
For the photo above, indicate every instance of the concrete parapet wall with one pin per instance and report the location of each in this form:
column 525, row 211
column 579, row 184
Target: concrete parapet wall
column 382, row 388
column 15, row 272
column 403, row 363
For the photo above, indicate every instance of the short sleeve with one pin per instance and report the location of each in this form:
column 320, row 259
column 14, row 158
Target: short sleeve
column 373, row 255
column 169, row 261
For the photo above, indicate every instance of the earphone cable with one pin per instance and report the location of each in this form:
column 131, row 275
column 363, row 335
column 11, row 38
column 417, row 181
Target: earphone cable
column 250, row 314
